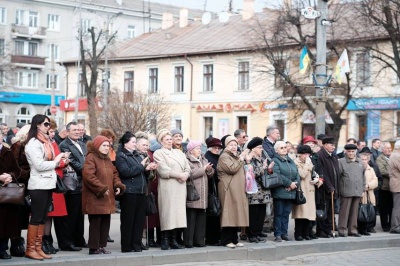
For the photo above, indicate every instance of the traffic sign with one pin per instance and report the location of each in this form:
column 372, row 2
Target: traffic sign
column 310, row 13
column 53, row 109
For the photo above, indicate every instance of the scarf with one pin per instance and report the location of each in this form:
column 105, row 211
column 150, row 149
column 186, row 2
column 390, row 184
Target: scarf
column 48, row 148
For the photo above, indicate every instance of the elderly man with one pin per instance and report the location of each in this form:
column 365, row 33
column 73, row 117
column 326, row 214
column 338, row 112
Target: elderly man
column 4, row 131
column 240, row 135
column 273, row 135
column 352, row 184
column 349, row 141
column 394, row 175
column 385, row 196
column 82, row 134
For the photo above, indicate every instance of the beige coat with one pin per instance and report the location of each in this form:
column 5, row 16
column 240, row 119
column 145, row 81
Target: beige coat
column 394, row 172
column 231, row 188
column 307, row 210
column 171, row 193
column 372, row 181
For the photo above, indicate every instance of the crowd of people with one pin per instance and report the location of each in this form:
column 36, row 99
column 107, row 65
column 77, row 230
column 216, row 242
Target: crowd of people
column 181, row 177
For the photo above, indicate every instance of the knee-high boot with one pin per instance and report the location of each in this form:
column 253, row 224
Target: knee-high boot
column 39, row 239
column 31, row 243
column 165, row 240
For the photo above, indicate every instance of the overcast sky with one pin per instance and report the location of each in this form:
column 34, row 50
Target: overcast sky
column 213, row 5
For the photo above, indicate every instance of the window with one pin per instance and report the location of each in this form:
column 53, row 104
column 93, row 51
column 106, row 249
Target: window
column 26, row 79
column 178, row 124
column 32, row 48
column 242, row 122
column 49, row 83
column 19, row 47
column 208, row 78
column 26, row 48
column 363, row 69
column 153, row 80
column 85, row 25
column 3, row 15
column 33, row 19
column 52, row 52
column 32, row 80
column 243, row 76
column 281, row 126
column 208, row 127
column 2, row 47
column 19, row 17
column 2, row 78
column 53, row 22
column 131, row 31
column 24, row 115
column 179, row 79
column 82, row 90
column 128, row 85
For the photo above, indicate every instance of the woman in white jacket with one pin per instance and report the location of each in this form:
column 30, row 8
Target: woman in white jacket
column 42, row 161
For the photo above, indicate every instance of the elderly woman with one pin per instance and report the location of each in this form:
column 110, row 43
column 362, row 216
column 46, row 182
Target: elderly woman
column 304, row 214
column 173, row 170
column 177, row 137
column 231, row 189
column 201, row 171
column 283, row 195
column 43, row 162
column 9, row 214
column 100, row 184
column 258, row 201
column 371, row 182
column 213, row 231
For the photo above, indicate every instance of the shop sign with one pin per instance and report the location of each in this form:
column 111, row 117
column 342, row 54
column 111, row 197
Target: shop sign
column 30, row 98
column 374, row 104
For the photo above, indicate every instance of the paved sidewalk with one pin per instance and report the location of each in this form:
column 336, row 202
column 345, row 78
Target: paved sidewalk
column 269, row 251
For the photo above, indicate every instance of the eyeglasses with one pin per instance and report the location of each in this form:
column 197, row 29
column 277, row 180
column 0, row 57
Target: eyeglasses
column 46, row 124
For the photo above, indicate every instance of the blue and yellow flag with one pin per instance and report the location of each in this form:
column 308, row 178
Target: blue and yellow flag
column 304, row 60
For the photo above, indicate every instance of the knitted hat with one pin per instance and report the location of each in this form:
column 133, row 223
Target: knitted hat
column 302, row 149
column 154, row 145
column 99, row 140
column 176, row 131
column 162, row 133
column 193, row 144
column 213, row 142
column 256, row 141
column 309, row 139
column 350, row 147
column 229, row 139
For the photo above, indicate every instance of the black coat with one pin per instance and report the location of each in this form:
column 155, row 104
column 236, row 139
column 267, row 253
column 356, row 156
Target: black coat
column 329, row 171
column 131, row 172
column 268, row 146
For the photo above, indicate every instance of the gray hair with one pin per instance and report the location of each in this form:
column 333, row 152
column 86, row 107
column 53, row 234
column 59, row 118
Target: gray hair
column 238, row 132
column 71, row 123
column 279, row 144
column 270, row 129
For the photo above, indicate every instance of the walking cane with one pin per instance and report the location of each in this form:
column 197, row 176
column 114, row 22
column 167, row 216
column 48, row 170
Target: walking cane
column 333, row 216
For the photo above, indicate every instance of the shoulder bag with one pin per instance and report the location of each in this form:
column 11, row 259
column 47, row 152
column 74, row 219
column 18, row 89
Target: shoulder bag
column 320, row 208
column 269, row 181
column 60, row 187
column 70, row 179
column 12, row 193
column 214, row 204
column 300, row 198
column 366, row 212
column 192, row 194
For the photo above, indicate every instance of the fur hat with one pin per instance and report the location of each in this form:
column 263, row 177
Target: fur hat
column 366, row 150
column 193, row 144
column 99, row 140
column 213, row 142
column 327, row 140
column 350, row 147
column 256, row 141
column 176, row 131
column 321, row 136
column 302, row 149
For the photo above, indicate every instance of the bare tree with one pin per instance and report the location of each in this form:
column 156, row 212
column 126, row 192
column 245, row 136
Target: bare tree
column 141, row 111
column 91, row 56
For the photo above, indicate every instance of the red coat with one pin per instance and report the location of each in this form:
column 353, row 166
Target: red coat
column 58, row 199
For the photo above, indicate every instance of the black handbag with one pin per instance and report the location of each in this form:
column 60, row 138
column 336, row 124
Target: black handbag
column 366, row 212
column 269, row 181
column 321, row 214
column 70, row 179
column 151, row 207
column 300, row 198
column 60, row 187
column 192, row 194
column 214, row 204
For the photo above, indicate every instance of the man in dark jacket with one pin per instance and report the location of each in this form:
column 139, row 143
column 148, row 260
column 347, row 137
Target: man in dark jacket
column 269, row 141
column 71, row 238
column 352, row 185
column 82, row 134
column 329, row 172
column 385, row 196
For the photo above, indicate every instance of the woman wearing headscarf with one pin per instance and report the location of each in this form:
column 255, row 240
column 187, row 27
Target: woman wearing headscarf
column 100, row 184
column 213, row 228
column 173, row 170
column 201, row 171
column 231, row 189
column 43, row 162
column 283, row 195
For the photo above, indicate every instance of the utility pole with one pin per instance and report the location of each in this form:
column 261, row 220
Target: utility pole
column 53, row 109
column 320, row 76
column 106, row 71
column 78, row 83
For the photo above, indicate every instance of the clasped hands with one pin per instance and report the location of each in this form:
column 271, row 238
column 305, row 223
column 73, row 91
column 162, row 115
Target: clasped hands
column 182, row 178
column 292, row 186
column 5, row 178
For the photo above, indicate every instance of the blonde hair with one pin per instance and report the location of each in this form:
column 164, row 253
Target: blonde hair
column 21, row 135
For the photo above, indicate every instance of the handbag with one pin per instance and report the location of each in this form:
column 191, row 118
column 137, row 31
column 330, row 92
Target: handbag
column 269, row 181
column 321, row 209
column 60, row 187
column 366, row 212
column 300, row 198
column 214, row 204
column 70, row 179
column 12, row 193
column 151, row 207
column 192, row 194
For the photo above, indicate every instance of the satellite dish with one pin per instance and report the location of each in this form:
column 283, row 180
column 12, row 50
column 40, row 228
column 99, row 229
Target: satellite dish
column 223, row 17
column 206, row 18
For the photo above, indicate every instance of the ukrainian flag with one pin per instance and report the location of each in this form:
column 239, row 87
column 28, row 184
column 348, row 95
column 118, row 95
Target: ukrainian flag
column 304, row 60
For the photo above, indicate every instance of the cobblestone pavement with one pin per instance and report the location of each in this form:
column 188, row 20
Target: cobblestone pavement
column 371, row 257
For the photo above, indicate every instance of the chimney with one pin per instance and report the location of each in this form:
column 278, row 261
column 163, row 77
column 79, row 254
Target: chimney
column 167, row 21
column 183, row 18
column 248, row 9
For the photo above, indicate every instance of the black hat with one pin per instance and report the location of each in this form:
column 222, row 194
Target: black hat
column 256, row 141
column 366, row 150
column 223, row 140
column 213, row 142
column 350, row 147
column 321, row 136
column 328, row 139
column 302, row 149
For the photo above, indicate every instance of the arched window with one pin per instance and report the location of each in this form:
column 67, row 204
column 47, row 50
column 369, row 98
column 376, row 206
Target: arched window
column 24, row 115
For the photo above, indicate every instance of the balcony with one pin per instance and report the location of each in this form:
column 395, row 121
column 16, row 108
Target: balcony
column 28, row 61
column 28, row 32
